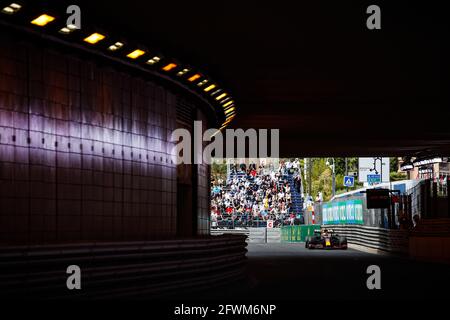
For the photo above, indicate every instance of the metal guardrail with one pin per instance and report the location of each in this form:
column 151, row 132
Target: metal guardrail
column 217, row 232
column 111, row 270
column 393, row 241
column 254, row 235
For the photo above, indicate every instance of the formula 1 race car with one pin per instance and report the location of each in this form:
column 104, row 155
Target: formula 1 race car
column 326, row 239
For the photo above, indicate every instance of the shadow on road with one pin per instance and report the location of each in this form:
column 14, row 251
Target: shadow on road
column 288, row 271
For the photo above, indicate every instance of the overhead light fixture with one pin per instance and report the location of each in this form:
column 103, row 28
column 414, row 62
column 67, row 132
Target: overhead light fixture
column 116, row 46
column 136, row 54
column 94, row 38
column 169, row 66
column 231, row 106
column 407, row 166
column 202, row 83
column 227, row 122
column 68, row 29
column 225, row 100
column 65, row 30
column 153, row 60
column 229, row 110
column 8, row 10
column 194, row 77
column 183, row 72
column 426, row 161
column 43, row 20
column 216, row 92
column 12, row 8
column 209, row 88
column 228, row 103
column 223, row 95
column 230, row 117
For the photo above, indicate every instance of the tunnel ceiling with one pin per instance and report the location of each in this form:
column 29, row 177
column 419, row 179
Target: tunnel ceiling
column 310, row 68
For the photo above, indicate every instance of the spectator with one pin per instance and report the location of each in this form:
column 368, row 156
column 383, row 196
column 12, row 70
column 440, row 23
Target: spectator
column 251, row 196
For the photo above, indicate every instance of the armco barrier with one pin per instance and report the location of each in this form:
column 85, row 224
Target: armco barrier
column 254, row 235
column 273, row 235
column 393, row 241
column 297, row 233
column 113, row 270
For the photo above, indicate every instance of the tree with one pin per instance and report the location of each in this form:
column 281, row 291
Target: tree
column 219, row 170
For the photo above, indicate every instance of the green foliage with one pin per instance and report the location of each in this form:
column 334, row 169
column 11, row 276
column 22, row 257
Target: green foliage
column 322, row 179
column 397, row 176
column 393, row 164
column 219, row 171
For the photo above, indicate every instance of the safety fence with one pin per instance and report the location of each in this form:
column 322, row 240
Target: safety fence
column 115, row 270
column 393, row 241
column 254, row 235
column 297, row 233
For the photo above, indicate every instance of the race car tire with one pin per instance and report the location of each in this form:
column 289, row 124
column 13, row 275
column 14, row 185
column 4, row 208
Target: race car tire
column 343, row 243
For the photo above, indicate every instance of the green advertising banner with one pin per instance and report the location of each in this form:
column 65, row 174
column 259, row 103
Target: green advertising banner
column 297, row 233
column 343, row 212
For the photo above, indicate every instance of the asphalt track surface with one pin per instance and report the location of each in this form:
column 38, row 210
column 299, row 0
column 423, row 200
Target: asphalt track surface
column 289, row 272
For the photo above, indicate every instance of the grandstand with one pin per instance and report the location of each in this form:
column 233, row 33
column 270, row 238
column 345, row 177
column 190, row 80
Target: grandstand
column 251, row 196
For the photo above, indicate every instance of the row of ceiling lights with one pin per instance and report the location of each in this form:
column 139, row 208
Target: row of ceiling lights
column 409, row 165
column 221, row 97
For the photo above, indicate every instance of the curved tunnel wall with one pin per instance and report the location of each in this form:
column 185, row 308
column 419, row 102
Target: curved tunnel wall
column 84, row 151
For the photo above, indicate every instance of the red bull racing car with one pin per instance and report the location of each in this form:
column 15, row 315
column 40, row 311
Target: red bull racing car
column 326, row 239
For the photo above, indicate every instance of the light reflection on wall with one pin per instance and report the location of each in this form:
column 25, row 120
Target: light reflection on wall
column 84, row 150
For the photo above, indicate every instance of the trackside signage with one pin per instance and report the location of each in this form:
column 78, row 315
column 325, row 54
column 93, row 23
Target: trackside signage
column 343, row 212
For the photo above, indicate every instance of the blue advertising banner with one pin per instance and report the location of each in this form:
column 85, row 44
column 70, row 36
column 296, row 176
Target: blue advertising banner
column 343, row 212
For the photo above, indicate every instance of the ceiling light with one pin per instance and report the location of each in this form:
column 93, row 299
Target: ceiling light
column 68, row 29
column 169, row 67
column 12, row 8
column 183, row 72
column 227, row 104
column 135, row 54
column 65, row 30
column 229, row 110
column 223, row 95
column 42, row 20
column 194, row 77
column 8, row 10
column 153, row 60
column 115, row 46
column 230, row 118
column 427, row 161
column 94, row 38
column 407, row 167
column 216, row 92
column 225, row 100
column 209, row 88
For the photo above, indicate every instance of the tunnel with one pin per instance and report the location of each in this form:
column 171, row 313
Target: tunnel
column 91, row 94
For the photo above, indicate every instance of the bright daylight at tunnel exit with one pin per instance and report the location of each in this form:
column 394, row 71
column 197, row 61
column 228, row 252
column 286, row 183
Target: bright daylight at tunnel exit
column 225, row 159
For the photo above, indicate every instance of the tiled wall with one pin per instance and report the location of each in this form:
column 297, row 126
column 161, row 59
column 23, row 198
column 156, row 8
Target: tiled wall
column 84, row 151
column 203, row 188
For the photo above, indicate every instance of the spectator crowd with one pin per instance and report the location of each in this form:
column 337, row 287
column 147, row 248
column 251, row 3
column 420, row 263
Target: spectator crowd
column 253, row 195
